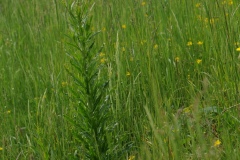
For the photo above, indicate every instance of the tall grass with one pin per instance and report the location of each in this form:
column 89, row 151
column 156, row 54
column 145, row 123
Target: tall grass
column 172, row 69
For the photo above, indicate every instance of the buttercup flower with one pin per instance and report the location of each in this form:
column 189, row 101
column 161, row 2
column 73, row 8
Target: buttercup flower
column 238, row 49
column 190, row 43
column 217, row 143
column 200, row 43
column 177, row 59
column 199, row 61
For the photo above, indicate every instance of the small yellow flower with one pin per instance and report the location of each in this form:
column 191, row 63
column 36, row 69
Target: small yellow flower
column 177, row 59
column 187, row 109
column 198, row 5
column 238, row 49
column 131, row 59
column 102, row 54
column 198, row 61
column 128, row 74
column 200, row 43
column 1, row 148
column 155, row 46
column 131, row 158
column 230, row 2
column 103, row 29
column 190, row 43
column 143, row 3
column 8, row 112
column 124, row 26
column 236, row 43
column 217, row 143
column 123, row 49
column 103, row 60
column 64, row 84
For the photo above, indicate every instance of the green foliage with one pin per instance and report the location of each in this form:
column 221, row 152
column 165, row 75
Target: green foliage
column 164, row 86
column 92, row 124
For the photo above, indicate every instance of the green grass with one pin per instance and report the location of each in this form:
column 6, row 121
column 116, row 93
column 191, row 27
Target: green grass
column 170, row 96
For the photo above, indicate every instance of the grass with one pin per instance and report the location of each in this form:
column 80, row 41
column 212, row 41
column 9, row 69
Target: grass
column 172, row 69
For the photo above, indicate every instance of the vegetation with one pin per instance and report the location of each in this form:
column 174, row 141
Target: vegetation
column 110, row 79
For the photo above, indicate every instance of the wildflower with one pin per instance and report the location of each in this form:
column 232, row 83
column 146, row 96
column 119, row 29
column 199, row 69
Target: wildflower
column 131, row 59
column 199, row 61
column 238, row 49
column 177, row 59
column 64, row 84
column 1, row 148
column 190, row 43
column 230, row 2
column 187, row 109
column 131, row 158
column 103, row 29
column 123, row 49
column 217, row 143
column 124, row 26
column 8, row 112
column 198, row 5
column 155, row 46
column 237, row 43
column 101, row 54
column 103, row 60
column 128, row 74
column 143, row 3
column 200, row 43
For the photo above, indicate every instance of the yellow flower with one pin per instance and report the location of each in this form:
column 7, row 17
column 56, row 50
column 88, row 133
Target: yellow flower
column 200, row 43
column 124, row 26
column 199, row 61
column 143, row 3
column 103, row 29
column 177, row 59
column 103, row 60
column 198, row 5
column 64, row 84
column 123, row 49
column 155, row 46
column 190, row 43
column 128, row 74
column 230, row 2
column 102, row 54
column 236, row 43
column 131, row 158
column 217, row 143
column 1, row 148
column 238, row 49
column 8, row 112
column 131, row 59
column 187, row 109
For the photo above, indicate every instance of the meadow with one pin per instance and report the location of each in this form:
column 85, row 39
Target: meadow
column 159, row 79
